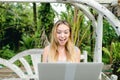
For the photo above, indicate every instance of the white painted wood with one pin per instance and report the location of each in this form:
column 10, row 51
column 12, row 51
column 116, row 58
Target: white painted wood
column 85, row 56
column 100, row 1
column 13, row 67
column 20, row 56
column 112, row 2
column 35, row 60
column 114, row 77
column 99, row 36
column 26, row 66
column 104, row 11
column 25, row 53
column 105, row 77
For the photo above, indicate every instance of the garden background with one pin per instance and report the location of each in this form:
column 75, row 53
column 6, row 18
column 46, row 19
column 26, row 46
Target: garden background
column 28, row 25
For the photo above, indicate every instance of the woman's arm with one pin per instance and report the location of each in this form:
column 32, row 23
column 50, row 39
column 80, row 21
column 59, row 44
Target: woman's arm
column 45, row 54
column 78, row 55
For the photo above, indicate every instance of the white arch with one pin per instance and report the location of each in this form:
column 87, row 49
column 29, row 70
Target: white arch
column 104, row 11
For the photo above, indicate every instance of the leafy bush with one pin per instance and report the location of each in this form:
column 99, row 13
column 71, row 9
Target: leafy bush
column 27, row 41
column 116, row 57
column 6, row 53
column 116, row 68
column 112, row 56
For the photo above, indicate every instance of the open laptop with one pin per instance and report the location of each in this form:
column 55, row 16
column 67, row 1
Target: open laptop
column 69, row 71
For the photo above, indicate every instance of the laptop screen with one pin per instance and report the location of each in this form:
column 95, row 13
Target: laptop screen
column 69, row 71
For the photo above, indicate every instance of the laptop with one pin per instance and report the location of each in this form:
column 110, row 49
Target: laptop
column 69, row 71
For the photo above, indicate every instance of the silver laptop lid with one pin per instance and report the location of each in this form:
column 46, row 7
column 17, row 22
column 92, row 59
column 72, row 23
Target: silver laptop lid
column 69, row 71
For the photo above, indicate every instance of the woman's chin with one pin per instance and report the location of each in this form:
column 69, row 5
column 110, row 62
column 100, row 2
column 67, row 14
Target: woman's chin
column 62, row 43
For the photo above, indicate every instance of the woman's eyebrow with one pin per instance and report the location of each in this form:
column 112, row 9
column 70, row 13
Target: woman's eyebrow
column 67, row 30
column 62, row 30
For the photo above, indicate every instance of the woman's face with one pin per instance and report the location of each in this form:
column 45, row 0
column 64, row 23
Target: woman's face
column 62, row 34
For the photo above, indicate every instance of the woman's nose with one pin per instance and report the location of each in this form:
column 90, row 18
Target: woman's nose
column 62, row 34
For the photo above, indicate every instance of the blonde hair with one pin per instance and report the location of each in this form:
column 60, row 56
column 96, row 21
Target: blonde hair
column 69, row 46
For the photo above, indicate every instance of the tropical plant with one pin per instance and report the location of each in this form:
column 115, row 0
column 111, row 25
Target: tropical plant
column 116, row 61
column 111, row 52
column 13, row 22
column 46, row 18
column 112, row 56
column 107, row 55
column 6, row 53
column 109, row 34
column 27, row 41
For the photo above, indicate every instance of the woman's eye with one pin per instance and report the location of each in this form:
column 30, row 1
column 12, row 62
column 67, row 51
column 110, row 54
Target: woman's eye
column 66, row 32
column 58, row 32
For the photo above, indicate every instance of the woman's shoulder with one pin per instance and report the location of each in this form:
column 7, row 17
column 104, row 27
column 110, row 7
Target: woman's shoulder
column 47, row 48
column 45, row 53
column 76, row 48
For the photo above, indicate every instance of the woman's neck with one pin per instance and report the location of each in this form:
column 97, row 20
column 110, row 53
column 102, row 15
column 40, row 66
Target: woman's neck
column 62, row 53
column 61, row 48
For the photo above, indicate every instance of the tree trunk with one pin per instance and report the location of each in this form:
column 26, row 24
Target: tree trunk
column 34, row 15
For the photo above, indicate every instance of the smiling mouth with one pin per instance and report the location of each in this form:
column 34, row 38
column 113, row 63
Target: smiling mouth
column 62, row 39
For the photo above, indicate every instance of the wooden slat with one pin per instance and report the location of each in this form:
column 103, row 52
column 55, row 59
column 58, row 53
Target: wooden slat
column 26, row 66
column 13, row 67
column 54, row 1
column 107, row 1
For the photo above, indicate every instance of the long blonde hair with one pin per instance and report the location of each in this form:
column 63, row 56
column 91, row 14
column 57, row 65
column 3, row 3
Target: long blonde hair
column 69, row 46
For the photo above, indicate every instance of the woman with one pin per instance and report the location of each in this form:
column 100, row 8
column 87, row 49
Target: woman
column 61, row 48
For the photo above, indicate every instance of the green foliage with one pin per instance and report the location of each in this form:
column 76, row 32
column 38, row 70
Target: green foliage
column 46, row 17
column 14, row 22
column 88, row 49
column 116, row 50
column 107, row 55
column 19, row 17
column 116, row 68
column 6, row 53
column 112, row 52
column 109, row 33
column 11, row 37
column 27, row 41
column 14, row 14
column 27, row 58
column 112, row 56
